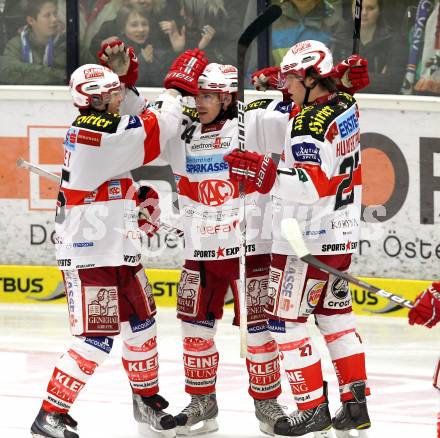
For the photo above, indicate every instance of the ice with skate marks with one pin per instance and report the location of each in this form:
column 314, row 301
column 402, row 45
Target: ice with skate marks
column 353, row 433
column 148, row 431
column 331, row 433
column 199, row 428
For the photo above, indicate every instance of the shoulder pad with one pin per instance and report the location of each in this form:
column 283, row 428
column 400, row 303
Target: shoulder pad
column 257, row 104
column 102, row 122
column 314, row 120
column 191, row 113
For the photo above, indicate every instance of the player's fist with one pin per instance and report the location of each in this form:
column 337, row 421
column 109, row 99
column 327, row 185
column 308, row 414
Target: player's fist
column 352, row 74
column 267, row 79
column 255, row 169
column 149, row 210
column 426, row 310
column 120, row 59
column 270, row 78
column 185, row 71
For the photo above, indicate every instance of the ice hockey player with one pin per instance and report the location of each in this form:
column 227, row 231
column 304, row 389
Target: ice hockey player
column 208, row 201
column 318, row 181
column 426, row 311
column 97, row 238
column 209, row 207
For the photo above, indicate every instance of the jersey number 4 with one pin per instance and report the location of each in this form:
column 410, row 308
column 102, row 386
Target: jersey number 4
column 347, row 167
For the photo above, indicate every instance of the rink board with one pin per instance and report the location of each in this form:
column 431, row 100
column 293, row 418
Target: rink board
column 400, row 143
column 43, row 284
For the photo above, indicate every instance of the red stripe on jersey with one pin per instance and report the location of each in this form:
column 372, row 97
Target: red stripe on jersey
column 335, row 336
column 268, row 347
column 213, row 192
column 109, row 191
column 152, row 131
column 290, row 346
column 329, row 186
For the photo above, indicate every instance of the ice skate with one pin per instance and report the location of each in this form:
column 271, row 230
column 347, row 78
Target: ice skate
column 199, row 417
column 316, row 420
column 54, row 425
column 268, row 412
column 153, row 421
column 353, row 414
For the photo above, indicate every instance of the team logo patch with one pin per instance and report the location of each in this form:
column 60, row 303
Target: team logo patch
column 306, row 152
column 114, row 190
column 71, row 138
column 215, row 192
column 133, row 122
column 92, row 73
column 101, row 343
column 90, row 197
column 339, row 288
column 276, row 325
column 102, row 309
column 313, row 291
column 138, row 326
column 89, row 138
column 206, row 164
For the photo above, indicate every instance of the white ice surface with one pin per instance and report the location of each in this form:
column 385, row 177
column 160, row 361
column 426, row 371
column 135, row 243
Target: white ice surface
column 400, row 364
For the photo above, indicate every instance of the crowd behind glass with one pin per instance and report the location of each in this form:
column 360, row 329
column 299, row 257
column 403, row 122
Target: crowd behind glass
column 400, row 38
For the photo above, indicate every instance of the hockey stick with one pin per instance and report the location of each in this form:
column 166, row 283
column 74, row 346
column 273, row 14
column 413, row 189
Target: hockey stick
column 357, row 26
column 40, row 171
column 263, row 21
column 293, row 234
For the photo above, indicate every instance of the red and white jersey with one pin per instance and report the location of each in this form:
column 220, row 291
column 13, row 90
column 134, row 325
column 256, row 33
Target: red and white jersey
column 96, row 219
column 208, row 200
column 319, row 178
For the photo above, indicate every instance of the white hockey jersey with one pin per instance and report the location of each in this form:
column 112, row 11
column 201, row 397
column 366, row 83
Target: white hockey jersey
column 208, row 199
column 96, row 219
column 319, row 178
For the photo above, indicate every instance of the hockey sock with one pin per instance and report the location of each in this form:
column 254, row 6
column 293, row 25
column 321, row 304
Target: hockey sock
column 139, row 356
column 200, row 356
column 346, row 350
column 301, row 361
column 263, row 364
column 73, row 369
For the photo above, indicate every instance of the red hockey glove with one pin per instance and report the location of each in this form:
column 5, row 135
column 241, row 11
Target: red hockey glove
column 185, row 71
column 149, row 210
column 426, row 310
column 251, row 167
column 352, row 74
column 120, row 59
column 269, row 78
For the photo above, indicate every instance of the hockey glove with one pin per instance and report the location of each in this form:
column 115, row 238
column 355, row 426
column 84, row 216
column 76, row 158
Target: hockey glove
column 149, row 210
column 185, row 71
column 248, row 166
column 426, row 310
column 270, row 78
column 120, row 59
column 352, row 74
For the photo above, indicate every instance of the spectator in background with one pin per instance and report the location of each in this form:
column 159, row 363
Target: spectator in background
column 384, row 49
column 301, row 20
column 207, row 25
column 157, row 10
column 135, row 25
column 11, row 19
column 92, row 15
column 429, row 80
column 38, row 54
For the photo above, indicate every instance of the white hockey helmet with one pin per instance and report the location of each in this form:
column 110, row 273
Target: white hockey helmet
column 91, row 85
column 219, row 78
column 305, row 55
